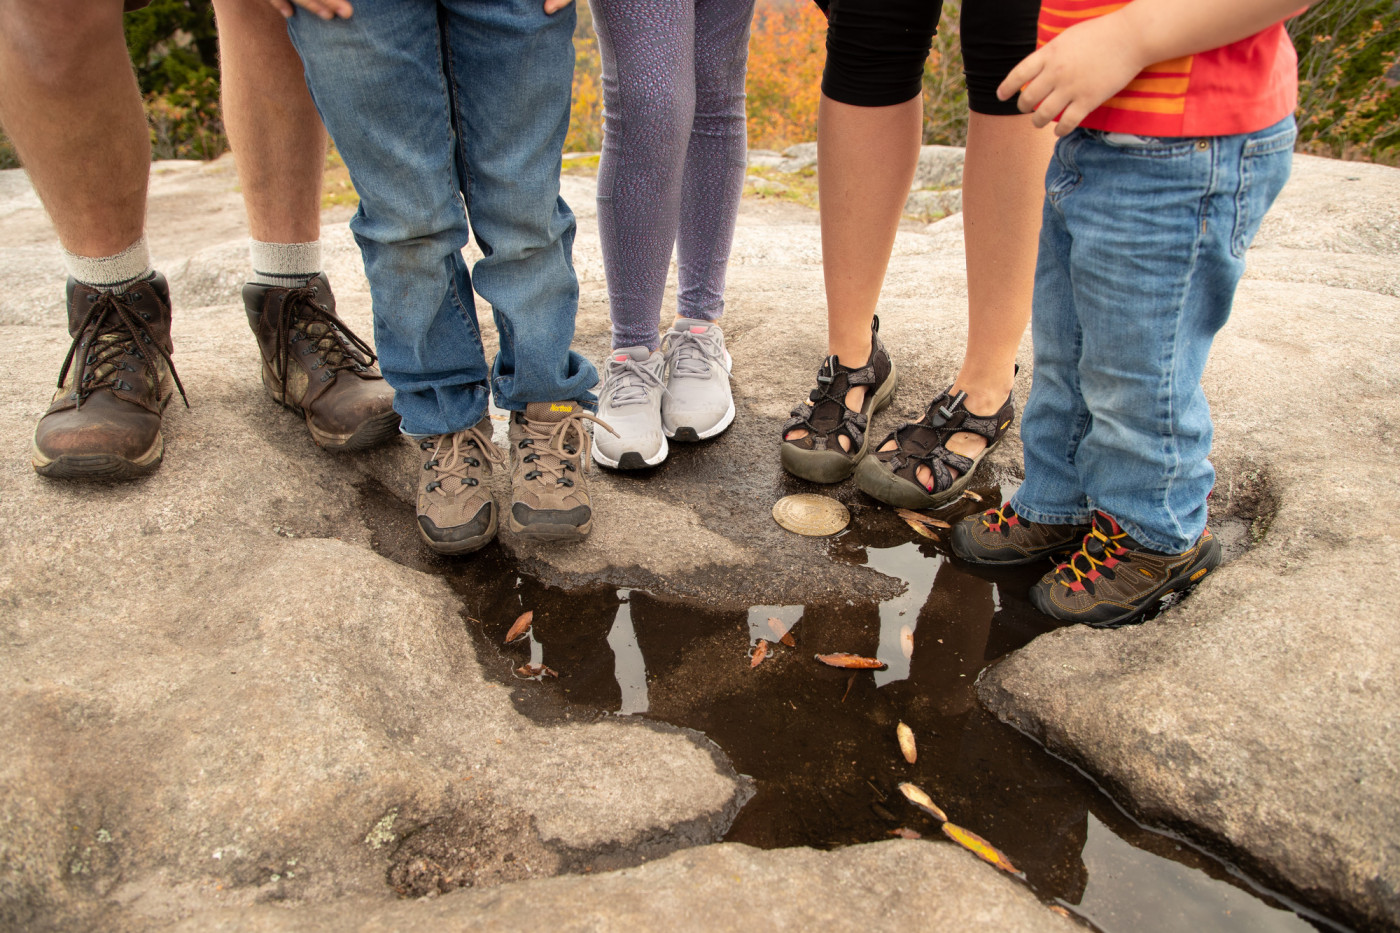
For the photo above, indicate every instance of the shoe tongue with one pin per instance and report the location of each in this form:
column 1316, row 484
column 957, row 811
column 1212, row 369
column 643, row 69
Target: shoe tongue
column 692, row 325
column 550, row 412
column 637, row 354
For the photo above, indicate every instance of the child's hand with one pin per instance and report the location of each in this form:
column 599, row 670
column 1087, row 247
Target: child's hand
column 326, row 9
column 1074, row 73
column 554, row 6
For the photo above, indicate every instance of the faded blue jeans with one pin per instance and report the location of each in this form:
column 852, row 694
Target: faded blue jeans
column 1142, row 243
column 446, row 110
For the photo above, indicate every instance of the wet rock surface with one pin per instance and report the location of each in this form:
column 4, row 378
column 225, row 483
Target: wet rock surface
column 1261, row 714
column 220, row 703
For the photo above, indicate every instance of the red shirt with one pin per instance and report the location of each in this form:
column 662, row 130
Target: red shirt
column 1237, row 88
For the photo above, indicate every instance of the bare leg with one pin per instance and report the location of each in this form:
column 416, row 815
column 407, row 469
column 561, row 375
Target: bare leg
column 1003, row 189
column 865, row 164
column 70, row 103
column 278, row 142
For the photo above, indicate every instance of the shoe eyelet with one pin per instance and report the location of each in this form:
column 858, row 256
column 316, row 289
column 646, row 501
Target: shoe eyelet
column 430, row 464
column 426, row 443
column 433, row 486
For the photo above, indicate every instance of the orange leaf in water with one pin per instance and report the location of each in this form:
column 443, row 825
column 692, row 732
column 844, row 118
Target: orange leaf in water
column 536, row 670
column 760, row 652
column 906, row 641
column 969, row 494
column 911, row 516
column 782, row 632
column 903, row 833
column 921, row 529
column 915, row 795
column 978, row 847
column 521, row 626
column 906, row 742
column 851, row 661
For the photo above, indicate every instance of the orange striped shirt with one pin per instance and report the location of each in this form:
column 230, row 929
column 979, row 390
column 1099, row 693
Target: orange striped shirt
column 1236, row 88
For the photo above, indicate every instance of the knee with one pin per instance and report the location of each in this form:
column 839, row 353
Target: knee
column 656, row 115
column 54, row 41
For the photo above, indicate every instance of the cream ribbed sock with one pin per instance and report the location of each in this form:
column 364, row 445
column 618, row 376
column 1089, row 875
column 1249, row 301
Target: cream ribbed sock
column 286, row 265
column 111, row 273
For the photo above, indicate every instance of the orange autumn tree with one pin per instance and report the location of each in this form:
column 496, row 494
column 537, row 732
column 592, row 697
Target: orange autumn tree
column 787, row 47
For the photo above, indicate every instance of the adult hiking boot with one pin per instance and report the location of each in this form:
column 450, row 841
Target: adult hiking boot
column 891, row 473
column 630, row 402
column 1113, row 580
column 456, row 514
column 698, row 403
column 549, row 449
column 316, row 366
column 1000, row 536
column 104, row 422
column 836, row 437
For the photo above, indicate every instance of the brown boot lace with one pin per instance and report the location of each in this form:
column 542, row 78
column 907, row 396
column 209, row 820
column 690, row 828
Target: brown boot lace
column 559, row 457
column 451, row 460
column 110, row 330
column 336, row 346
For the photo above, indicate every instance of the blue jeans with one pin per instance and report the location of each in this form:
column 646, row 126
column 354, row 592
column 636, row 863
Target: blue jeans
column 1142, row 243
column 446, row 110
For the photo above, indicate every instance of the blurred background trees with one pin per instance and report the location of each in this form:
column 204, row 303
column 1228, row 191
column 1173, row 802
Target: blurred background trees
column 1349, row 55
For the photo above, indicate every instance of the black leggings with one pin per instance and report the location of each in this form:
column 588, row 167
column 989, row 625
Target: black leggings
column 875, row 49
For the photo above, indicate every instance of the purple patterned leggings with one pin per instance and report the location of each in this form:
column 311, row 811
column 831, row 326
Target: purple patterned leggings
column 674, row 153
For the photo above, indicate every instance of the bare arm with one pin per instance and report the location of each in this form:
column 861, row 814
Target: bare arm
column 1087, row 64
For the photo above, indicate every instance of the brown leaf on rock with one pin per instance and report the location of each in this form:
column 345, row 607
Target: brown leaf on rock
column 521, row 626
column 854, row 661
column 911, row 516
column 903, row 833
column 915, row 795
column 760, row 652
column 969, row 494
column 979, row 847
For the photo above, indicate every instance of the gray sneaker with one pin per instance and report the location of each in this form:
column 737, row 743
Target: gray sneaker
column 630, row 402
column 548, row 449
column 698, row 403
column 455, row 512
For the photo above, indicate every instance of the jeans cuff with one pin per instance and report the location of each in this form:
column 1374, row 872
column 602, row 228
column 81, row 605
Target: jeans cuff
column 1154, row 542
column 1051, row 518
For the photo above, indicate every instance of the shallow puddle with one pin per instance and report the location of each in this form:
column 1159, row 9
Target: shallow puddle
column 820, row 742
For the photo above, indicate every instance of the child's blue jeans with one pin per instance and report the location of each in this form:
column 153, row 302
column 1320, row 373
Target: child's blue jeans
column 1142, row 243
column 444, row 110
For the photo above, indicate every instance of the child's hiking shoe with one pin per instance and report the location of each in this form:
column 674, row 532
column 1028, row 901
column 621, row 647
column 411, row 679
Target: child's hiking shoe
column 892, row 475
column 1000, row 536
column 455, row 512
column 821, row 456
column 549, row 446
column 630, row 402
column 698, row 403
column 1112, row 580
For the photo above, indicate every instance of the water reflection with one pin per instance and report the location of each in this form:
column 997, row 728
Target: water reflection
column 629, row 668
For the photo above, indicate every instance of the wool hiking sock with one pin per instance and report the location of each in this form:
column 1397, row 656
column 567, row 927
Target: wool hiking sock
column 284, row 265
column 111, row 273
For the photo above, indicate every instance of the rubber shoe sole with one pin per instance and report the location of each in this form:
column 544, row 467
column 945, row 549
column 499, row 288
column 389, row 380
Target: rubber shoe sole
column 878, row 481
column 97, row 466
column 466, row 545
column 688, row 435
column 829, row 466
column 631, row 460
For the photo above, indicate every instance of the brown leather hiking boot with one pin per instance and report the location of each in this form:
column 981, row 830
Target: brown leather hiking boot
column 456, row 514
column 549, row 453
column 115, row 382
column 314, row 365
column 1000, row 536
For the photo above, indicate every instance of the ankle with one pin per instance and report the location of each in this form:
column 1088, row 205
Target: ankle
column 983, row 398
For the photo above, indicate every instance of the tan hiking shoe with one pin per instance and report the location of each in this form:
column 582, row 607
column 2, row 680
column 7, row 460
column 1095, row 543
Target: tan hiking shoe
column 549, row 448
column 314, row 365
column 104, row 422
column 456, row 514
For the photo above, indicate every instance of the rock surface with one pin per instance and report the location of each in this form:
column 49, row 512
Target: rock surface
column 216, row 695
column 1263, row 715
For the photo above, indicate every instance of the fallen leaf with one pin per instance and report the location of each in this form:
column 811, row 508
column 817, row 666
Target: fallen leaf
column 521, row 626
column 903, row 833
column 850, row 682
column 760, row 652
column 536, row 670
column 852, row 661
column 921, row 529
column 969, row 494
column 906, row 641
column 923, row 801
column 1057, row 909
column 906, row 742
column 782, row 632
column 911, row 516
column 978, row 847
